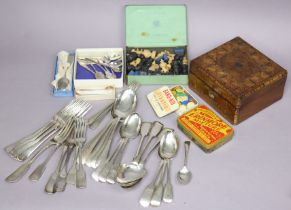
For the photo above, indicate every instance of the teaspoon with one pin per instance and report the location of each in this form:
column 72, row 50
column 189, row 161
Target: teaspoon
column 184, row 175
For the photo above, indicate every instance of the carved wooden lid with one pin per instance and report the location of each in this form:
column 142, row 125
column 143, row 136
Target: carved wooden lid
column 237, row 68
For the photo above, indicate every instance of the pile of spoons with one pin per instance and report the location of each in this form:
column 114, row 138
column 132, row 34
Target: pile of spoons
column 160, row 189
column 107, row 169
column 97, row 149
column 133, row 172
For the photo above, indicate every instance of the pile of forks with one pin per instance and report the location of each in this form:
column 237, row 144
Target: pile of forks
column 67, row 130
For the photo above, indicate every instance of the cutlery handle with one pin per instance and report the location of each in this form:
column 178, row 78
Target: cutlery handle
column 158, row 192
column 111, row 177
column 187, row 146
column 103, row 163
column 110, row 161
column 81, row 181
column 155, row 130
column 104, row 150
column 137, row 153
column 168, row 194
column 71, row 176
column 144, row 131
column 143, row 160
column 35, row 147
column 157, row 196
column 27, row 139
column 38, row 172
column 146, row 196
column 50, row 185
column 95, row 119
column 18, row 173
column 93, row 149
column 60, row 184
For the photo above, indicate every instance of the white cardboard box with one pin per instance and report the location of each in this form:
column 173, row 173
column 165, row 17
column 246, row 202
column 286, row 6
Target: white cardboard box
column 97, row 89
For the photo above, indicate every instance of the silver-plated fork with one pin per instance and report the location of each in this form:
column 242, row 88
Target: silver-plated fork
column 77, row 174
column 23, row 149
column 57, row 119
column 80, row 138
column 57, row 140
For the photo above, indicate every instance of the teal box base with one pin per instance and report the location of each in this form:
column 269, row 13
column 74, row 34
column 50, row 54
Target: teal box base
column 159, row 80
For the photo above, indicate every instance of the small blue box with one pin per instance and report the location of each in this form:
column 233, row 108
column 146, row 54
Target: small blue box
column 69, row 92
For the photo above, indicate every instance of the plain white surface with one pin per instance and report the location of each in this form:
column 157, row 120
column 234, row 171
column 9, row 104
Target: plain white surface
column 251, row 172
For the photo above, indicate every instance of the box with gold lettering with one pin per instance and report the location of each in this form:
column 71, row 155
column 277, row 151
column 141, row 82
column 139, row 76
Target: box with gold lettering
column 205, row 128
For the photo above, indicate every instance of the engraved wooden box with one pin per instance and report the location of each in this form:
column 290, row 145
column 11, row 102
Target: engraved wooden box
column 237, row 80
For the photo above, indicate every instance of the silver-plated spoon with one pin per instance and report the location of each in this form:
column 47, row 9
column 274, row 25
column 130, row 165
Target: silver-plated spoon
column 63, row 82
column 96, row 73
column 169, row 146
column 130, row 174
column 124, row 104
column 145, row 199
column 129, row 130
column 184, row 176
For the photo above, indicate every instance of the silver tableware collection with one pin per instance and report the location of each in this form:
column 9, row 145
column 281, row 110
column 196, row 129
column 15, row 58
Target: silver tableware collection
column 103, row 67
column 67, row 131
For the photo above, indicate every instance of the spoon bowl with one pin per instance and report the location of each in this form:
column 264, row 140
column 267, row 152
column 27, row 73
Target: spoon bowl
column 129, row 130
column 63, row 82
column 124, row 104
column 184, row 176
column 168, row 144
column 131, row 126
column 130, row 174
column 168, row 149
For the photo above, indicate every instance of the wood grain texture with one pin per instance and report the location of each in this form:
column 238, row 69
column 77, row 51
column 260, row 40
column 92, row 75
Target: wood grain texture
column 237, row 79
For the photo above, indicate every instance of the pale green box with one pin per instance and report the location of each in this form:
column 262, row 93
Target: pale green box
column 151, row 26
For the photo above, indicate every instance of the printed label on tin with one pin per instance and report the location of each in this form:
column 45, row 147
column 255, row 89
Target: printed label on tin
column 205, row 125
column 162, row 101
